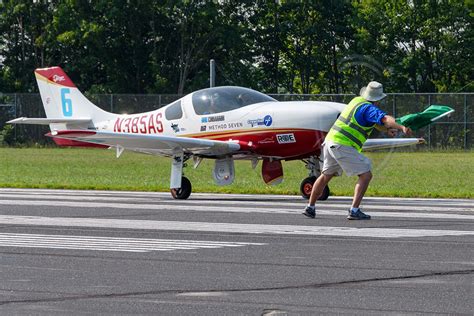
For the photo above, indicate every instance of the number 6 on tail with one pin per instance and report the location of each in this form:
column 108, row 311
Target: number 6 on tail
column 66, row 102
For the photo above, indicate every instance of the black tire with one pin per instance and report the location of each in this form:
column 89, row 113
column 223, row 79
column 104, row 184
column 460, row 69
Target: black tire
column 307, row 185
column 325, row 195
column 184, row 192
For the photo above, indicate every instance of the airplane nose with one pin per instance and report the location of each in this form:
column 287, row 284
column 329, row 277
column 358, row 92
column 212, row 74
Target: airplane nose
column 317, row 115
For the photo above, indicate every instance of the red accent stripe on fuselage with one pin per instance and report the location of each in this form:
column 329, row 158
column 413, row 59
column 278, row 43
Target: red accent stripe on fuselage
column 307, row 142
column 76, row 143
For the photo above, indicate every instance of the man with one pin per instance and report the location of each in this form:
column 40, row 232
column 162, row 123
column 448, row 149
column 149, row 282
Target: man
column 343, row 144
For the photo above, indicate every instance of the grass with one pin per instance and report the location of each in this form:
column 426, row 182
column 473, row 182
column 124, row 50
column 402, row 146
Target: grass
column 403, row 174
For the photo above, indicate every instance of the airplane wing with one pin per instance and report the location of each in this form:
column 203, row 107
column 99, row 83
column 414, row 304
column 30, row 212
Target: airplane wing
column 383, row 143
column 152, row 144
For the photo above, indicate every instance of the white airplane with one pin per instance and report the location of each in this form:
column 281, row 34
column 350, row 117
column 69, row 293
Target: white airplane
column 221, row 123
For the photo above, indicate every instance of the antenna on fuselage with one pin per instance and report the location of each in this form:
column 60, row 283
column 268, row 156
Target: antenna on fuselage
column 212, row 73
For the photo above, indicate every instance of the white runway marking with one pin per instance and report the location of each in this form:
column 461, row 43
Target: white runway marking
column 220, row 196
column 390, row 203
column 110, row 243
column 340, row 210
column 445, row 209
column 228, row 227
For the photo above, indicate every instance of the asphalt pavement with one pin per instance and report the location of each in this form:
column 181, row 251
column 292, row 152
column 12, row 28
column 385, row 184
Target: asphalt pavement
column 105, row 252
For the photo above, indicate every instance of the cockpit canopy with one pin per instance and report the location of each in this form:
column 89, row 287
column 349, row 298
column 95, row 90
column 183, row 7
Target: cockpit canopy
column 222, row 99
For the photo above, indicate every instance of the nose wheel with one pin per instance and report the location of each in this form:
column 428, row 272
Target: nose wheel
column 307, row 186
column 184, row 191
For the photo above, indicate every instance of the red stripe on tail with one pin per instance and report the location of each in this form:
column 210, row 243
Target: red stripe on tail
column 56, row 75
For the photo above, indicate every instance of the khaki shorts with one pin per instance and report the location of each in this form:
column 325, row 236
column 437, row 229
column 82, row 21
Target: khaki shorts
column 339, row 158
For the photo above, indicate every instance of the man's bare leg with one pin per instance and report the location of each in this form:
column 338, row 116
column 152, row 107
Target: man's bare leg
column 360, row 188
column 318, row 187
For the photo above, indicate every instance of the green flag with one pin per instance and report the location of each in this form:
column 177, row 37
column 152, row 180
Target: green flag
column 418, row 120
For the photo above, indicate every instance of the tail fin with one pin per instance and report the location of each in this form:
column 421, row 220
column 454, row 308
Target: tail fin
column 63, row 100
column 65, row 106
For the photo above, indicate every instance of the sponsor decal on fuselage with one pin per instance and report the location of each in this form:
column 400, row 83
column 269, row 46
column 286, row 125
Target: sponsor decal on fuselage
column 211, row 119
column 286, row 138
column 222, row 126
column 267, row 140
column 266, row 121
column 175, row 128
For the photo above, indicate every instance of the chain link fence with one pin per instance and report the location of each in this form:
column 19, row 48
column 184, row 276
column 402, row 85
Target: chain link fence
column 454, row 132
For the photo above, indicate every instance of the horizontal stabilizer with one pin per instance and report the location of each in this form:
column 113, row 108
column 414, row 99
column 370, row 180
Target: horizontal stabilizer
column 47, row 121
column 383, row 143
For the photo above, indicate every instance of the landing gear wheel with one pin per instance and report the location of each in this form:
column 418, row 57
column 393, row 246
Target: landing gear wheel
column 307, row 185
column 325, row 194
column 184, row 192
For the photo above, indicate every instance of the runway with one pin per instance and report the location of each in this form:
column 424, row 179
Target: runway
column 79, row 252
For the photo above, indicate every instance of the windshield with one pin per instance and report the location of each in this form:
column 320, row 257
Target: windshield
column 222, row 99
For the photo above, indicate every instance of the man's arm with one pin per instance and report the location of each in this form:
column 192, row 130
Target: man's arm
column 370, row 113
column 389, row 124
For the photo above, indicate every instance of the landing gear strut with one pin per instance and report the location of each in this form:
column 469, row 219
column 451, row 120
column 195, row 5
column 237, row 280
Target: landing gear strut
column 180, row 187
column 307, row 184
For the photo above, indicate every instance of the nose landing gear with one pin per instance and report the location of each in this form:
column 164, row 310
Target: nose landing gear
column 307, row 184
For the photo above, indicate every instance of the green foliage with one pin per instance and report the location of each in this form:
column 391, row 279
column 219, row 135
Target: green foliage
column 427, row 44
column 275, row 46
column 7, row 135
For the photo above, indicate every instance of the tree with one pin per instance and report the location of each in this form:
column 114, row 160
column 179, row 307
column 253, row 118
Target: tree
column 424, row 42
column 134, row 46
column 21, row 45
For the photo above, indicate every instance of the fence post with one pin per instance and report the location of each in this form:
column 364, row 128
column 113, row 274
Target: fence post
column 111, row 103
column 465, row 122
column 394, row 109
column 429, row 125
column 16, row 115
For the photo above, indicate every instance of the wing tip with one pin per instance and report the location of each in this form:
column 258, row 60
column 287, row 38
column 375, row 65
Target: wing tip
column 16, row 120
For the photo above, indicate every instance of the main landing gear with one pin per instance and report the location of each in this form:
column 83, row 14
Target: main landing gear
column 184, row 191
column 307, row 184
column 180, row 187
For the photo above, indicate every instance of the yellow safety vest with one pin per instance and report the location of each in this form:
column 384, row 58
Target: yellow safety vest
column 346, row 130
